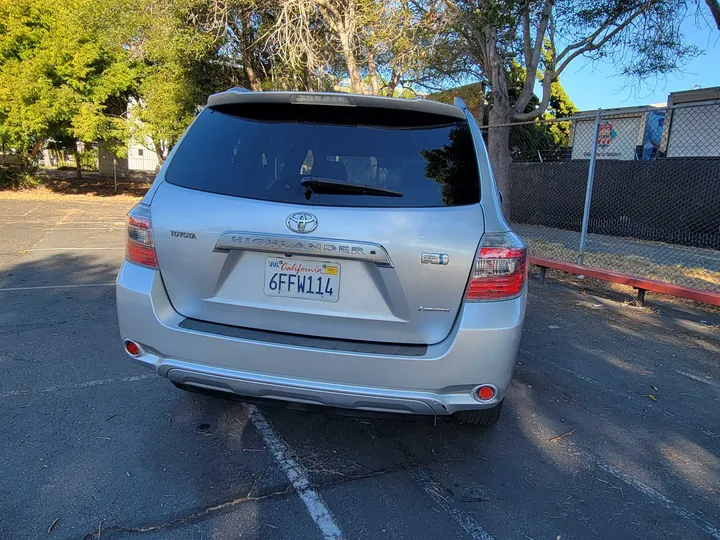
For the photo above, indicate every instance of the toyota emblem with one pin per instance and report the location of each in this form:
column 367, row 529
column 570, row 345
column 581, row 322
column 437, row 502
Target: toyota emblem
column 301, row 222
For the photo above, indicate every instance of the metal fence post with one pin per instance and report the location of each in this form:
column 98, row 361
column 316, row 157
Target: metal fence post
column 588, row 191
column 115, row 172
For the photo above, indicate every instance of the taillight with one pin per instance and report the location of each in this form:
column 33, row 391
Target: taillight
column 139, row 247
column 500, row 268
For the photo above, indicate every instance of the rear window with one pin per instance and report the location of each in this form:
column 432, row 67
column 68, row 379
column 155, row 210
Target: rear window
column 265, row 153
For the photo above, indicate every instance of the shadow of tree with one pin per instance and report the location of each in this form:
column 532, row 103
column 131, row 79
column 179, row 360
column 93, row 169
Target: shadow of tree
column 66, row 183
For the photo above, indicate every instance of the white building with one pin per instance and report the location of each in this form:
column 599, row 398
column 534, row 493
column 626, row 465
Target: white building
column 693, row 124
column 621, row 133
column 140, row 159
column 687, row 126
column 141, row 155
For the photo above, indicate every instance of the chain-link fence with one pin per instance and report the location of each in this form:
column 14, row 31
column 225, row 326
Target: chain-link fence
column 632, row 190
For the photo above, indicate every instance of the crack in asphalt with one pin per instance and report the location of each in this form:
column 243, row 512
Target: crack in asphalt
column 218, row 508
column 187, row 519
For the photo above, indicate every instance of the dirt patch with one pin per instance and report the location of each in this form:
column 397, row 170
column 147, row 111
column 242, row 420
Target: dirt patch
column 627, row 295
column 91, row 187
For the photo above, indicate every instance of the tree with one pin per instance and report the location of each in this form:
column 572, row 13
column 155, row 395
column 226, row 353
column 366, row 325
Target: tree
column 714, row 6
column 61, row 77
column 528, row 139
column 306, row 31
column 384, row 45
column 176, row 43
column 643, row 37
column 405, row 45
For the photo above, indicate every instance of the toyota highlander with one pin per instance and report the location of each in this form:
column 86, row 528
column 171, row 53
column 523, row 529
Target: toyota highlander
column 328, row 249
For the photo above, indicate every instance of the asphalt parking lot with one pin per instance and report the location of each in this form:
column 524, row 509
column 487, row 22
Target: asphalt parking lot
column 610, row 429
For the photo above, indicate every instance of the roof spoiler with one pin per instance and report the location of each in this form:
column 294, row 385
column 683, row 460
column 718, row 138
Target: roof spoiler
column 237, row 96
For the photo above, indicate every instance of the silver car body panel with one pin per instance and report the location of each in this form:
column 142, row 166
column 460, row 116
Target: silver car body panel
column 376, row 303
column 480, row 349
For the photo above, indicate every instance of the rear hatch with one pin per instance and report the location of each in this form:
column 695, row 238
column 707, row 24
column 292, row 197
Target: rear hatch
column 352, row 223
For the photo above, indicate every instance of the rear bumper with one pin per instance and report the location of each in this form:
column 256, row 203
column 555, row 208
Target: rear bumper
column 480, row 349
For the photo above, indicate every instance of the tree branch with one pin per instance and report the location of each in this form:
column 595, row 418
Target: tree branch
column 589, row 44
column 531, row 67
column 526, row 34
column 542, row 107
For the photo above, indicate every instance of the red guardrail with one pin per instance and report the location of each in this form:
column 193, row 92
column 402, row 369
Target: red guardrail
column 639, row 283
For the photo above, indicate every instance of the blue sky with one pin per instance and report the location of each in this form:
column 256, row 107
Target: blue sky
column 592, row 86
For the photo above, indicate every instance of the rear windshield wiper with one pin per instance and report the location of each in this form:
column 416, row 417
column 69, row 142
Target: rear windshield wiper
column 319, row 184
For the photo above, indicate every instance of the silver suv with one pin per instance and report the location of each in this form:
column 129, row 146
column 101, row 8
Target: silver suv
column 328, row 249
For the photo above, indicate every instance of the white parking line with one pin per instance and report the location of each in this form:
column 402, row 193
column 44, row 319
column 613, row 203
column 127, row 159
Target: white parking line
column 468, row 524
column 698, row 379
column 56, row 224
column 297, row 475
column 550, row 365
column 658, row 497
column 78, row 386
column 31, row 211
column 42, row 287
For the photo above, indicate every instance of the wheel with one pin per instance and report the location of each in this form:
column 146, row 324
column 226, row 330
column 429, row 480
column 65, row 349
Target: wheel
column 482, row 417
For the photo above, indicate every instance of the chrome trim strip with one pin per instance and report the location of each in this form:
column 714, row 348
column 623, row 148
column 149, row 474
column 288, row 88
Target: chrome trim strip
column 303, row 245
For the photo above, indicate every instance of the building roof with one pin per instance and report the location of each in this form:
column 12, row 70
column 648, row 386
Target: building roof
column 696, row 94
column 634, row 110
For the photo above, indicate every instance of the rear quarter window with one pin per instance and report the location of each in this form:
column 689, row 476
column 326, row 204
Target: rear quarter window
column 431, row 161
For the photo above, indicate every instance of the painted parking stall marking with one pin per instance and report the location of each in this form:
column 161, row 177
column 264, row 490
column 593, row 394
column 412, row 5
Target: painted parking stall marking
column 297, row 475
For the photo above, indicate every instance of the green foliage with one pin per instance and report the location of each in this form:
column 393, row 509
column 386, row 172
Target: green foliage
column 472, row 94
column 109, row 70
column 560, row 106
column 178, row 48
column 525, row 139
column 60, row 75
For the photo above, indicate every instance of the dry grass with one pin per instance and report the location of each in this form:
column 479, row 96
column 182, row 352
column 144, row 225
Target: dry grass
column 681, row 274
column 625, row 293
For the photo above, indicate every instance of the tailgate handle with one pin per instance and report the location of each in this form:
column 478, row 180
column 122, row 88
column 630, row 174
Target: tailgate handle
column 303, row 245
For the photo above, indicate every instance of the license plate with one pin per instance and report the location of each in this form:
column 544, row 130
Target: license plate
column 297, row 278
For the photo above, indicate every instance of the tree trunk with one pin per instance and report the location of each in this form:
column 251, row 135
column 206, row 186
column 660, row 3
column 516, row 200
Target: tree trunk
column 499, row 149
column 714, row 6
column 78, row 164
column 161, row 151
column 372, row 71
column 250, row 72
column 310, row 76
column 248, row 38
column 30, row 157
column 351, row 63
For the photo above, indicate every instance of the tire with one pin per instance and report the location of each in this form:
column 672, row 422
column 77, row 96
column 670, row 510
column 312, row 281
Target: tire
column 484, row 418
